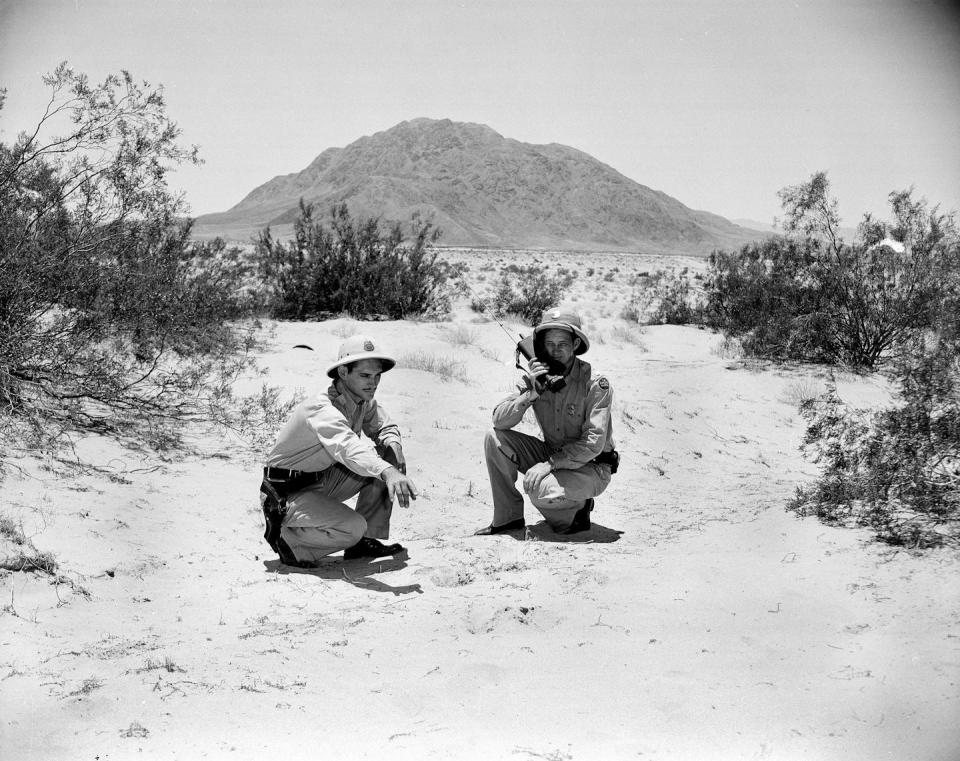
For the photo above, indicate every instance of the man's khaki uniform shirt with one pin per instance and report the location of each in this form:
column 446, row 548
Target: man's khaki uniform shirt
column 326, row 429
column 575, row 421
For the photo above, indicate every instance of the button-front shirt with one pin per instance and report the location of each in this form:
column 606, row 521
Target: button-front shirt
column 575, row 421
column 326, row 429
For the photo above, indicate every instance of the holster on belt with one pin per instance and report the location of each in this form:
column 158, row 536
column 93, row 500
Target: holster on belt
column 277, row 485
column 611, row 458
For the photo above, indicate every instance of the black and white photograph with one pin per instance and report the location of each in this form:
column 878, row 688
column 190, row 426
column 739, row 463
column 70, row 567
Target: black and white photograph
column 503, row 380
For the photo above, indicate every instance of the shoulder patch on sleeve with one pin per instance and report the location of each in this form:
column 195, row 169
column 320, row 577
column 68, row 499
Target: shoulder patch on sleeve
column 603, row 382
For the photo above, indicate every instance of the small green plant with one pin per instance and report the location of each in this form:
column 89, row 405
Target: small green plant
column 631, row 312
column 87, row 686
column 346, row 328
column 11, row 530
column 728, row 348
column 446, row 367
column 462, row 335
column 22, row 555
column 28, row 558
column 167, row 664
column 803, row 392
column 136, row 729
column 628, row 335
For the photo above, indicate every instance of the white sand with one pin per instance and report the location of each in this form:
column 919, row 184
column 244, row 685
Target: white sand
column 697, row 620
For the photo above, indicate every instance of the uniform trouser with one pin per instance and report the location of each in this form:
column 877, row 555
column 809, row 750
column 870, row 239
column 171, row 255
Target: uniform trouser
column 317, row 523
column 559, row 495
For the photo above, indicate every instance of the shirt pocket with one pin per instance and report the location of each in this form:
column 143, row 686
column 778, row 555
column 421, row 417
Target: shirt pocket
column 572, row 415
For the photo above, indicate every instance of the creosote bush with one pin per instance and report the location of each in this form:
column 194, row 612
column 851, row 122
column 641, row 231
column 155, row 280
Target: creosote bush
column 111, row 320
column 526, row 292
column 664, row 298
column 811, row 296
column 889, row 300
column 353, row 267
column 896, row 471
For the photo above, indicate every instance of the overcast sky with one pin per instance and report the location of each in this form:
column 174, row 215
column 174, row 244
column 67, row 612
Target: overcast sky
column 717, row 103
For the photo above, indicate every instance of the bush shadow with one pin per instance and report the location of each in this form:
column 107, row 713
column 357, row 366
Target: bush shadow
column 355, row 572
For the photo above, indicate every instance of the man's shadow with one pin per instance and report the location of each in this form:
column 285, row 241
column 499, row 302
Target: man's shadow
column 541, row 532
column 356, row 572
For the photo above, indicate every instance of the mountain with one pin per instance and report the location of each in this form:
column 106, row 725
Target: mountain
column 753, row 224
column 482, row 189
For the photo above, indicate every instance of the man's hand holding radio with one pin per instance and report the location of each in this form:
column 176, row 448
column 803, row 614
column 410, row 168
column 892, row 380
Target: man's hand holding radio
column 537, row 371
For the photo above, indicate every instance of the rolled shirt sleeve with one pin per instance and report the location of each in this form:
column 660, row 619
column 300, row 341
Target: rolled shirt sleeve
column 510, row 410
column 343, row 445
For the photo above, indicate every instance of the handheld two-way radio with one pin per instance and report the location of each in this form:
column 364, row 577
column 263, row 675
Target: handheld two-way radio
column 530, row 348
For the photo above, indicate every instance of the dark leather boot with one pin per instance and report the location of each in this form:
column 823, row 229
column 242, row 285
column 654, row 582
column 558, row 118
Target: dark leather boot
column 368, row 547
column 581, row 519
column 491, row 529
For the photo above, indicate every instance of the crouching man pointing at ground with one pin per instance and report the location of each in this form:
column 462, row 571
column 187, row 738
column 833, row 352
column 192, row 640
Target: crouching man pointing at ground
column 574, row 461
column 322, row 458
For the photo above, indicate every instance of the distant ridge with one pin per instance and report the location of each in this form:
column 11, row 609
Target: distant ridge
column 482, row 189
column 847, row 233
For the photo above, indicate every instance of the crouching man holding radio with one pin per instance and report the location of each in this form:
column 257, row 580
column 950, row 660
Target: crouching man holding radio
column 573, row 462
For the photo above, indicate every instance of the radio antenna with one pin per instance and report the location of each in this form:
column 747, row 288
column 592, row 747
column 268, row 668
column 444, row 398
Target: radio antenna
column 486, row 306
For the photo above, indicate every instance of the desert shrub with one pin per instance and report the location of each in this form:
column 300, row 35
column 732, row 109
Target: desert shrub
column 524, row 291
column 889, row 299
column 811, row 296
column 664, row 298
column 353, row 267
column 768, row 296
column 110, row 318
column 896, row 471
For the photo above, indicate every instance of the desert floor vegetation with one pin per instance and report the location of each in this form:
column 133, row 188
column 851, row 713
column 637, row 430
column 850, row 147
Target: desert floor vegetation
column 697, row 619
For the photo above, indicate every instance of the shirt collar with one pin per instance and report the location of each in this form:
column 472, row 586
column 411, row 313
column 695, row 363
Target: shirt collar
column 342, row 401
column 577, row 368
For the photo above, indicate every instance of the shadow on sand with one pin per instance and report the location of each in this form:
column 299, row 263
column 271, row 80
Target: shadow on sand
column 541, row 532
column 356, row 572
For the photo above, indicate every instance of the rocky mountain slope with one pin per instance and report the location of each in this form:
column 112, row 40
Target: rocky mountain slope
column 483, row 189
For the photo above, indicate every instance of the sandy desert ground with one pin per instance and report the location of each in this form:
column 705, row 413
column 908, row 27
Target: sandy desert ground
column 696, row 620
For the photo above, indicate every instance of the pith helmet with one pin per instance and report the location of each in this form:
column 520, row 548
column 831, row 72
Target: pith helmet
column 357, row 348
column 557, row 319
